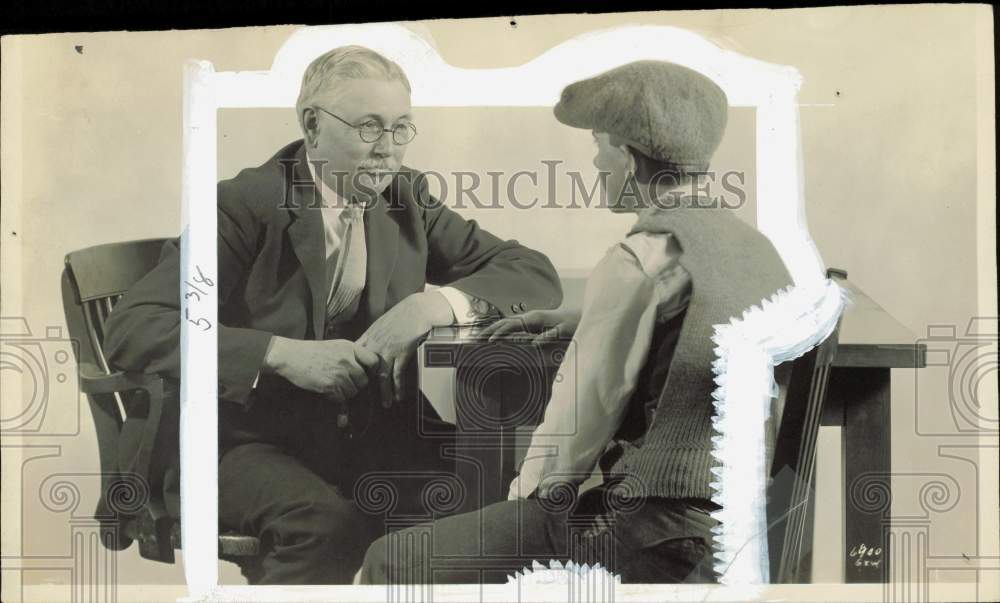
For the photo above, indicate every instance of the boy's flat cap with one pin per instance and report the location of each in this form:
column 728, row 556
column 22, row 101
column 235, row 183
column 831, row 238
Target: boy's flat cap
column 668, row 112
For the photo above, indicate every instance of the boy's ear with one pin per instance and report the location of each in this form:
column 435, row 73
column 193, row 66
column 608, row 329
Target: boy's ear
column 630, row 163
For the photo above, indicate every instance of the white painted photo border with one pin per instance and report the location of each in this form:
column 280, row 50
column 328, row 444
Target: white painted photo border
column 771, row 89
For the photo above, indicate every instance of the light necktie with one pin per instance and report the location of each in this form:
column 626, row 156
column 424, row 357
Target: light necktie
column 348, row 281
column 351, row 262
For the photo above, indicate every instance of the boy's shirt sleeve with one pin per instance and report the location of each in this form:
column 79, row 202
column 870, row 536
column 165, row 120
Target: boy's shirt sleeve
column 637, row 283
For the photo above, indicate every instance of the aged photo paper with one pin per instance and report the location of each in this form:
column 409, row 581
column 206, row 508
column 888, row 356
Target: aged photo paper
column 694, row 305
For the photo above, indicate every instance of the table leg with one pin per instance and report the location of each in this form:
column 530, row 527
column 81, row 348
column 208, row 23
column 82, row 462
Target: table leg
column 864, row 394
column 478, row 443
column 477, row 466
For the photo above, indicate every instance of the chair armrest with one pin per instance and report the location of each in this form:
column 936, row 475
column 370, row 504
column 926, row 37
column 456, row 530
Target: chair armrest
column 155, row 402
column 95, row 381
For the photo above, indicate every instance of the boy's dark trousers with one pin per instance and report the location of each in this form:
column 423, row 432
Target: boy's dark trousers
column 651, row 540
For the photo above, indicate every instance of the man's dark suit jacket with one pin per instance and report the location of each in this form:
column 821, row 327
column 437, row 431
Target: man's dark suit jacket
column 272, row 281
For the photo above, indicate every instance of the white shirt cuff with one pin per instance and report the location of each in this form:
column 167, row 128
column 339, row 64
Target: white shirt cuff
column 461, row 305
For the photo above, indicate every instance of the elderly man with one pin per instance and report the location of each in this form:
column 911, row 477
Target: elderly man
column 640, row 400
column 323, row 256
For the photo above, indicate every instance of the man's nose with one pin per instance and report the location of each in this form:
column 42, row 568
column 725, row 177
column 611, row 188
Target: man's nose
column 384, row 146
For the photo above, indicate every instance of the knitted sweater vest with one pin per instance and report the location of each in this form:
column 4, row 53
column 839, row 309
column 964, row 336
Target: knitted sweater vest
column 732, row 267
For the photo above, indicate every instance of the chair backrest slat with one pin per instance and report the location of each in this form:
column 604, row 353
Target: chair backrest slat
column 94, row 279
column 97, row 278
column 794, row 536
column 794, row 464
column 110, row 270
column 95, row 333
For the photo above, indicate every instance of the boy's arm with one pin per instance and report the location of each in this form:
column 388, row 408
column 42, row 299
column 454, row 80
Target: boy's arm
column 599, row 375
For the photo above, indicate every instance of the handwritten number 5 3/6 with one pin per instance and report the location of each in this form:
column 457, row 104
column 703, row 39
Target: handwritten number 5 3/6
column 204, row 323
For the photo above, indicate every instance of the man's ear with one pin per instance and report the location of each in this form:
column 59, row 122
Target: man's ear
column 310, row 126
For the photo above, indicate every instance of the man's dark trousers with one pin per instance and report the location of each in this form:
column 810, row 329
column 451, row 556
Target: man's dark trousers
column 298, row 494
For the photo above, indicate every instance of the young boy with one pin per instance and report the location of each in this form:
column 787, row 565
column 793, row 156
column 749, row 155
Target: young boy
column 639, row 402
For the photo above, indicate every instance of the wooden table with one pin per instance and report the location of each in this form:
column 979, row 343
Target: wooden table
column 872, row 343
column 501, row 386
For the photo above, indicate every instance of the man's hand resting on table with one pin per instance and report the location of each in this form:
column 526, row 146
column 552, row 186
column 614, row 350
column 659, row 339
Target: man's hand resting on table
column 537, row 326
column 336, row 367
column 395, row 335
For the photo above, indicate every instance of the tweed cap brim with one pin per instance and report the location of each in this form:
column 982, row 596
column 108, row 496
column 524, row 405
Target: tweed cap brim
column 668, row 112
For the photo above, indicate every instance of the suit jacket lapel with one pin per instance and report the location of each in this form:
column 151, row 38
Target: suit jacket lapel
column 382, row 241
column 308, row 239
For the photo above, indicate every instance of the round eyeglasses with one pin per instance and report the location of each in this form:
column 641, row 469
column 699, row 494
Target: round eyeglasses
column 372, row 129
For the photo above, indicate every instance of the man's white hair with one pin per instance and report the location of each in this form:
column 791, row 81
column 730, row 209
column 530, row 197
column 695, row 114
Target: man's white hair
column 321, row 80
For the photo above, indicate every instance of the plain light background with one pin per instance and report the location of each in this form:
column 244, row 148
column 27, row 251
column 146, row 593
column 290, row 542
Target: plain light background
column 892, row 155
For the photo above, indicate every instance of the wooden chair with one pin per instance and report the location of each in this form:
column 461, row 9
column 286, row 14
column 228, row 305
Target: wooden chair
column 127, row 405
column 793, row 464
